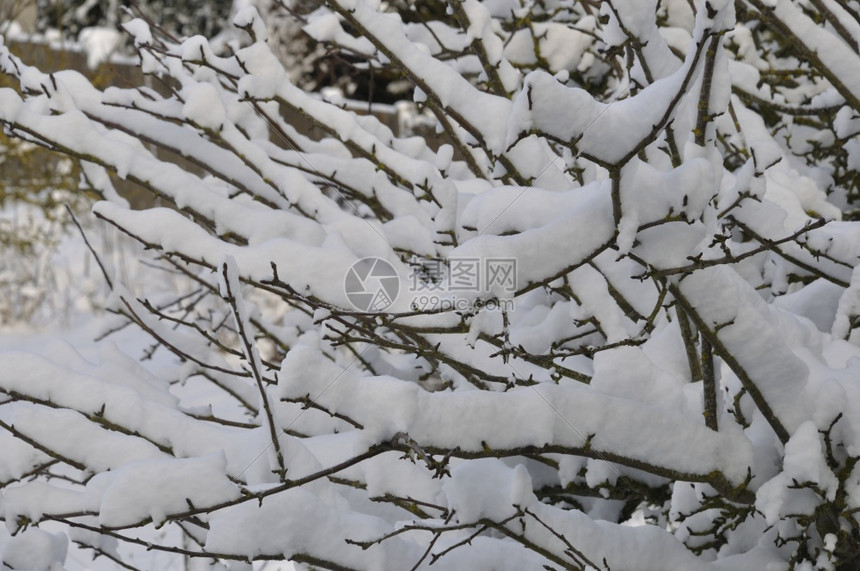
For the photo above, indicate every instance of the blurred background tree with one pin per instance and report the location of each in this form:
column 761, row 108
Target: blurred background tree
column 178, row 17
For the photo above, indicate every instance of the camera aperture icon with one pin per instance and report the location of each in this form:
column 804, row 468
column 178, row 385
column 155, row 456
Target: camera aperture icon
column 371, row 284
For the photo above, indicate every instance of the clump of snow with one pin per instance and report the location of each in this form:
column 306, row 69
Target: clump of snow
column 99, row 44
column 248, row 17
column 487, row 489
column 35, row 550
column 154, row 490
column 848, row 309
column 140, row 31
column 203, row 106
column 804, row 463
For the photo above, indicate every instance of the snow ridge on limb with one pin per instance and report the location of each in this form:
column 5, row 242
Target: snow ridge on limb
column 586, row 122
column 738, row 325
column 519, row 419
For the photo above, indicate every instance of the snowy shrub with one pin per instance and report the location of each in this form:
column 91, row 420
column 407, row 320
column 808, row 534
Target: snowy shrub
column 610, row 323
